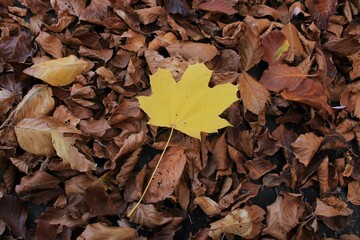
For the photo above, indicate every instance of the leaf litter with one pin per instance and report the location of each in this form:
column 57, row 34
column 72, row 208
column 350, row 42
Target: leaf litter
column 275, row 156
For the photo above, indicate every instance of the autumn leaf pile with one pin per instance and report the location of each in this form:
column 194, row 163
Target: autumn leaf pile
column 76, row 149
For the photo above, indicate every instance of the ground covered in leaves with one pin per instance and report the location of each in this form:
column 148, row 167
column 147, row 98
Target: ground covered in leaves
column 76, row 150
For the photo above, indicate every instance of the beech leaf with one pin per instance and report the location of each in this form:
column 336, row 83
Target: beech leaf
column 101, row 231
column 59, row 72
column 66, row 150
column 187, row 104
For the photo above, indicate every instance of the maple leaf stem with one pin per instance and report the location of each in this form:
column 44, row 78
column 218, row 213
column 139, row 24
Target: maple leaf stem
column 152, row 175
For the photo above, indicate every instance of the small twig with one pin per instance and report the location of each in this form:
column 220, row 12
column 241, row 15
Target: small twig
column 152, row 175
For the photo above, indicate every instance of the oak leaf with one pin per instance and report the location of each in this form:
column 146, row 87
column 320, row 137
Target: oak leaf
column 187, row 104
column 59, row 72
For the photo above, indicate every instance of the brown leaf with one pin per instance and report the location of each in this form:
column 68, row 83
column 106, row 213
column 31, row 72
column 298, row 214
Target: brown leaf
column 66, row 150
column 244, row 222
column 252, row 52
column 321, row 11
column 296, row 49
column 99, row 230
column 16, row 48
column 95, row 12
column 343, row 46
column 102, row 54
column 7, row 99
column 311, row 93
column 39, row 187
column 147, row 215
column 96, row 128
column 284, row 214
column 253, row 94
column 38, row 102
column 306, row 146
column 192, row 50
column 332, row 207
column 134, row 40
column 99, row 201
column 14, row 214
column 209, row 206
column 279, row 77
column 167, row 176
column 274, row 47
column 218, row 6
column 258, row 167
column 149, row 15
column 37, row 6
column 70, row 7
column 355, row 60
column 78, row 184
column 51, row 44
column 353, row 194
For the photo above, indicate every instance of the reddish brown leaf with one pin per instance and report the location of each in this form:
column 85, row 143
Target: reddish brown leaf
column 284, row 214
column 279, row 77
column 16, row 48
column 258, row 167
column 295, row 46
column 102, row 231
column 146, row 214
column 306, row 146
column 275, row 47
column 309, row 92
column 332, row 207
column 167, row 176
column 353, row 194
column 218, row 6
column 95, row 12
column 51, row 44
column 252, row 52
column 192, row 50
column 244, row 222
column 253, row 94
column 37, row 6
column 321, row 11
column 14, row 214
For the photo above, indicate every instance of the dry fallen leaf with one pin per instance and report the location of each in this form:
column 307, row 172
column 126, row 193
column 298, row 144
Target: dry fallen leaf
column 99, row 230
column 306, row 146
column 284, row 214
column 253, row 94
column 167, row 177
column 65, row 149
column 59, row 72
column 209, row 206
column 245, row 222
column 166, row 106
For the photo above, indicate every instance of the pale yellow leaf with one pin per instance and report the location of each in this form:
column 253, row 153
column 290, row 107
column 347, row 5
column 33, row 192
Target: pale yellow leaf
column 66, row 150
column 59, row 72
column 38, row 102
column 189, row 105
column 34, row 134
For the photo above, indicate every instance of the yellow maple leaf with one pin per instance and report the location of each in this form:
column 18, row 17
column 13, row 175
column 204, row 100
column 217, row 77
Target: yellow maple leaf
column 59, row 72
column 189, row 105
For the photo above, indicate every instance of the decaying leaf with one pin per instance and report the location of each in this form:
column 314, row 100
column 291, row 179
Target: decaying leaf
column 146, row 214
column 65, row 149
column 332, row 207
column 284, row 214
column 275, row 47
column 59, row 72
column 102, row 231
column 209, row 206
column 167, row 109
column 253, row 94
column 305, row 147
column 353, row 194
column 244, row 222
column 167, row 177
